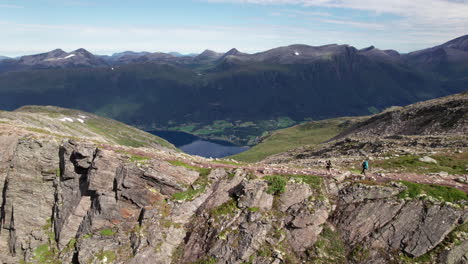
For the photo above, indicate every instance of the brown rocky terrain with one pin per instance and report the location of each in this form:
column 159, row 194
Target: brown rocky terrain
column 84, row 200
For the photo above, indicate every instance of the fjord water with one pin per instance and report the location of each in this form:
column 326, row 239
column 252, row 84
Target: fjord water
column 194, row 145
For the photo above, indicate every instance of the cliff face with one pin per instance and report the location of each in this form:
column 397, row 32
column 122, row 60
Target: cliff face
column 76, row 202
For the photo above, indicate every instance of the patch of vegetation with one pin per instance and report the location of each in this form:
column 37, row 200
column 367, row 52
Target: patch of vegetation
column 225, row 209
column 203, row 171
column 231, row 175
column 452, row 163
column 106, row 256
column 315, row 182
column 134, row 157
column 289, row 257
column 178, row 254
column 329, row 248
column 87, row 236
column 107, row 232
column 442, row 193
column 138, row 158
column 310, row 133
column 47, row 253
column 251, row 260
column 359, row 254
column 265, row 251
column 276, row 184
column 424, row 259
column 167, row 223
column 197, row 187
column 205, row 260
column 253, row 209
column 188, row 195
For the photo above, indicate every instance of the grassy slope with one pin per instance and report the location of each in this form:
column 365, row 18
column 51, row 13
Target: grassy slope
column 453, row 163
column 47, row 120
column 310, row 133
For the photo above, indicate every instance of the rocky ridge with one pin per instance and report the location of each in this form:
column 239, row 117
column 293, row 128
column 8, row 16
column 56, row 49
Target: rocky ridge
column 76, row 201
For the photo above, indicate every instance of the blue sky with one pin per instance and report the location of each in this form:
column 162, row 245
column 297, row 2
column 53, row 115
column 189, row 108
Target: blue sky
column 190, row 26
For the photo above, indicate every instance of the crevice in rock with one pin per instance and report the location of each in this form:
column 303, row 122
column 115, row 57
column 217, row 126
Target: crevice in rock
column 75, row 259
column 141, row 217
column 2, row 208
column 12, row 234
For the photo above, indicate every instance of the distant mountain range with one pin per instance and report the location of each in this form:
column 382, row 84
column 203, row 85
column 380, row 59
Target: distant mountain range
column 234, row 95
column 454, row 51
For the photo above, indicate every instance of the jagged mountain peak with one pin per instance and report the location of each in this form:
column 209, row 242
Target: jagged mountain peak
column 56, row 51
column 209, row 54
column 232, row 51
column 368, row 48
column 82, row 51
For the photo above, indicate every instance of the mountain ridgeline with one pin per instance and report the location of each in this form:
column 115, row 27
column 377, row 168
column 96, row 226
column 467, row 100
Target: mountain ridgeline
column 234, row 95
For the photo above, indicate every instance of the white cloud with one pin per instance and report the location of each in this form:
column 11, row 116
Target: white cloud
column 307, row 13
column 420, row 22
column 374, row 26
column 439, row 13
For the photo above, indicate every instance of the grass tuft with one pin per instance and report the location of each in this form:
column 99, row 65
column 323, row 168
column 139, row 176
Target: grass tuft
column 442, row 193
column 107, row 232
column 197, row 187
column 276, row 184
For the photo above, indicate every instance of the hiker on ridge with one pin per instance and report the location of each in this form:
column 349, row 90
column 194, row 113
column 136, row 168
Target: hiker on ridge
column 365, row 166
column 329, row 166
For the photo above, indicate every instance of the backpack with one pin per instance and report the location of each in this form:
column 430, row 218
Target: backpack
column 365, row 164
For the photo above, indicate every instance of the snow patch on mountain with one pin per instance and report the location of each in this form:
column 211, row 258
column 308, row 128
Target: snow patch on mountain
column 66, row 119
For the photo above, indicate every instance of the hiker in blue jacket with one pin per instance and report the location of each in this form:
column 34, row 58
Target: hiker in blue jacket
column 365, row 166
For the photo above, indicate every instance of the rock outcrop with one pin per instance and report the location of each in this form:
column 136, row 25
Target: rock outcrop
column 76, row 202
